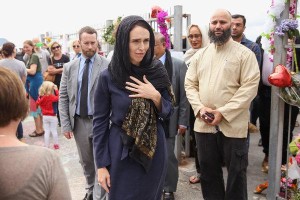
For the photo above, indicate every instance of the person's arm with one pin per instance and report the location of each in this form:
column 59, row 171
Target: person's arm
column 191, row 84
column 32, row 69
column 182, row 101
column 38, row 101
column 102, row 105
column 55, row 97
column 34, row 60
column 63, row 104
column 58, row 70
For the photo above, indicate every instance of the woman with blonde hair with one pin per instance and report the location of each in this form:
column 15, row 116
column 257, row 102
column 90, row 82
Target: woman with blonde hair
column 197, row 38
column 48, row 98
column 58, row 59
column 76, row 48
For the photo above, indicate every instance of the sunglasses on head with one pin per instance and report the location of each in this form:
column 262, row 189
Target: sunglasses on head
column 56, row 47
column 76, row 46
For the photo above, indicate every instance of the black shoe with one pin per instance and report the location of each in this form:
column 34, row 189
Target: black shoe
column 88, row 196
column 260, row 143
column 168, row 196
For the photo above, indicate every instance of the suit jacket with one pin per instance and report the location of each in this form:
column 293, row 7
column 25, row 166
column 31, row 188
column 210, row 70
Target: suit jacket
column 69, row 87
column 181, row 110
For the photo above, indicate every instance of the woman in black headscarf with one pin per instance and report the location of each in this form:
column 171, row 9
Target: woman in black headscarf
column 132, row 98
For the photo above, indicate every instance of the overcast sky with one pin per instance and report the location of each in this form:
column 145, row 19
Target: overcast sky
column 22, row 20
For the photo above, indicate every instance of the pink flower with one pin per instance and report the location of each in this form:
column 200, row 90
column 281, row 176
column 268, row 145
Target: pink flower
column 297, row 157
column 161, row 21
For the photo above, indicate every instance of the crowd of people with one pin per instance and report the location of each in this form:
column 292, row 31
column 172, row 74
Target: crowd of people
column 126, row 111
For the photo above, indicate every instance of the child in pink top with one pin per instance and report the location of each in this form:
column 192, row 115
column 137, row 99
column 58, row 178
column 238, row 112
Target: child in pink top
column 47, row 100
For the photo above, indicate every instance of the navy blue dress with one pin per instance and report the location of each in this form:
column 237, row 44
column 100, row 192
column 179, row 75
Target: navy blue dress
column 129, row 180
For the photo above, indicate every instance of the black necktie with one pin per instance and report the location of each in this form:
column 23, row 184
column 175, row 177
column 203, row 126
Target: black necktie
column 84, row 89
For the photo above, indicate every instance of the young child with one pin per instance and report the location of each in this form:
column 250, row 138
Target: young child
column 48, row 98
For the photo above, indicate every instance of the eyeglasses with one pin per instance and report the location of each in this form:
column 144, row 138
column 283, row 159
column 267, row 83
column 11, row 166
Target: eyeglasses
column 76, row 46
column 57, row 47
column 196, row 36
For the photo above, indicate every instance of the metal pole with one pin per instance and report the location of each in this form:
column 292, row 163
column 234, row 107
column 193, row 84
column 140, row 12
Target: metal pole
column 188, row 22
column 177, row 28
column 108, row 47
column 277, row 114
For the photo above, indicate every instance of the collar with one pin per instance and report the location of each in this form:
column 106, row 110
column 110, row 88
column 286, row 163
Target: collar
column 83, row 58
column 163, row 58
column 244, row 39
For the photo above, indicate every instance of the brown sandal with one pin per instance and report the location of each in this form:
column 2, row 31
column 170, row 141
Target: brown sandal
column 195, row 179
column 35, row 134
column 261, row 187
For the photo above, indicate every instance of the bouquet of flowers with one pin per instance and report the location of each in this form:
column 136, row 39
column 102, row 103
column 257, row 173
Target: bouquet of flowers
column 289, row 92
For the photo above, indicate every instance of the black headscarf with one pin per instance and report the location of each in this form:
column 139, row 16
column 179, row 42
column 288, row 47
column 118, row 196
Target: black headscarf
column 140, row 124
column 169, row 64
column 120, row 66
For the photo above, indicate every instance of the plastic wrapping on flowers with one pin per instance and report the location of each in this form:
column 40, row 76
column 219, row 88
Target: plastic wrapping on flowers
column 291, row 95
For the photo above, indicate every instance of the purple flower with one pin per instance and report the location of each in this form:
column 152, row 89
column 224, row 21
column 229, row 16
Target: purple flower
column 287, row 26
column 161, row 21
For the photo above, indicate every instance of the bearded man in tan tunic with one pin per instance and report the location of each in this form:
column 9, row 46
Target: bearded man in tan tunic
column 220, row 84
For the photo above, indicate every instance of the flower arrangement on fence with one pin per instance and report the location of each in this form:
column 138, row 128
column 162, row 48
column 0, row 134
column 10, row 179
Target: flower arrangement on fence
column 274, row 13
column 109, row 35
column 161, row 19
column 289, row 82
column 289, row 181
column 162, row 25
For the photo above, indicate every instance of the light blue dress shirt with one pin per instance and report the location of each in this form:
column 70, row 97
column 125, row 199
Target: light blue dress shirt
column 79, row 80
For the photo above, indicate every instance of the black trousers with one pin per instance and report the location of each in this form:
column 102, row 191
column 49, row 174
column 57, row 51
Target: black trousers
column 212, row 150
column 254, row 110
column 264, row 121
column 193, row 146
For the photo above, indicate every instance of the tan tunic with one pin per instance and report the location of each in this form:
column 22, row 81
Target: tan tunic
column 32, row 173
column 224, row 78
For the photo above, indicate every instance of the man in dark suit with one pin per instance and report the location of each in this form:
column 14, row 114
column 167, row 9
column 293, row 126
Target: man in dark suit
column 76, row 105
column 178, row 122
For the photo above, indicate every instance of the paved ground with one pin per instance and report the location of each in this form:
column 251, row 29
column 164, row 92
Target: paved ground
column 186, row 191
